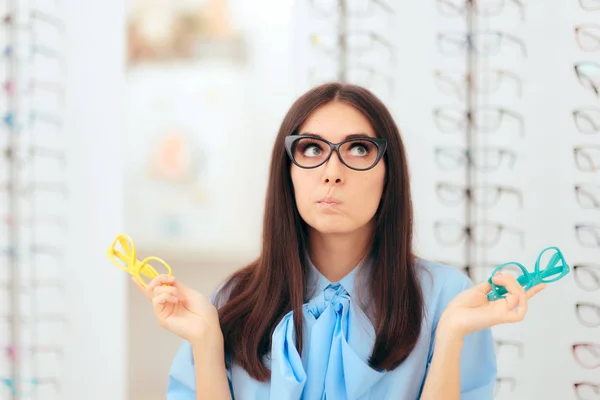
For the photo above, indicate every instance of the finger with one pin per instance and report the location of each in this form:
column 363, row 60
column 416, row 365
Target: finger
column 160, row 280
column 535, row 290
column 138, row 284
column 509, row 282
column 162, row 299
column 173, row 291
column 483, row 287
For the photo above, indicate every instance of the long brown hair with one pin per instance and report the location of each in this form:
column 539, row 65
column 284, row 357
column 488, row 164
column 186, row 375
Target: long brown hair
column 259, row 295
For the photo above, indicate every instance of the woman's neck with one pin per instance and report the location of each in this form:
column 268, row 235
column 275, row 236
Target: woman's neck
column 336, row 254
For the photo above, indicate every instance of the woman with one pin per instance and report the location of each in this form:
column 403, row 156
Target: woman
column 337, row 306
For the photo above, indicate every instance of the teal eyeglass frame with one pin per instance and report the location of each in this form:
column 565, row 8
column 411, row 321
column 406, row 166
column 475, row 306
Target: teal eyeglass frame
column 551, row 273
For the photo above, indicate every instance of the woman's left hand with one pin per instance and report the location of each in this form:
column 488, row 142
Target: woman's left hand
column 471, row 311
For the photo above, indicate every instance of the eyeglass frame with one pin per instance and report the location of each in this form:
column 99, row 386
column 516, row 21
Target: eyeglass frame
column 531, row 279
column 379, row 142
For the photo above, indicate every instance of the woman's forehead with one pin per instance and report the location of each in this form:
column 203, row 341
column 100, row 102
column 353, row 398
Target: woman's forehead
column 335, row 121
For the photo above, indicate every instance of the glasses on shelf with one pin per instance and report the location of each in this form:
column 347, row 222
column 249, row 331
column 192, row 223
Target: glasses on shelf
column 514, row 344
column 484, row 196
column 587, row 158
column 487, row 159
column 486, row 119
column 26, row 387
column 587, row 354
column 587, row 390
column 483, row 8
column 360, row 74
column 590, row 5
column 587, row 120
column 504, row 384
column 588, row 235
column 357, row 43
column 484, row 234
column 587, row 195
column 588, row 74
column 358, row 153
column 588, row 314
column 364, row 8
column 587, row 276
column 486, row 82
column 588, row 37
column 482, row 43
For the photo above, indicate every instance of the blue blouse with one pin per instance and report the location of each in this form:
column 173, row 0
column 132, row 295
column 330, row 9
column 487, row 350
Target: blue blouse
column 338, row 340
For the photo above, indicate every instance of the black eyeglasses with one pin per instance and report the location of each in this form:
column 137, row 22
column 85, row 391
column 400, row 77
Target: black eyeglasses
column 587, row 120
column 588, row 235
column 587, row 158
column 484, row 196
column 588, row 74
column 587, row 276
column 590, row 5
column 455, row 82
column 488, row 158
column 588, row 195
column 587, row 390
column 588, row 37
column 483, row 43
column 452, row 119
column 588, row 314
column 358, row 153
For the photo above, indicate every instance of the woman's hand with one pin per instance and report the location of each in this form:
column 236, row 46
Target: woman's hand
column 181, row 310
column 471, row 311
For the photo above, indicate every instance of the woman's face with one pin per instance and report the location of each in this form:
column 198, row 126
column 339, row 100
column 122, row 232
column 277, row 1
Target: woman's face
column 333, row 198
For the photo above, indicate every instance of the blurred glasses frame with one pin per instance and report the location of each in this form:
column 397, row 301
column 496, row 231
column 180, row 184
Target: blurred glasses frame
column 291, row 140
column 463, row 232
column 491, row 158
column 587, row 120
column 585, row 72
column 462, row 40
column 455, row 82
column 338, row 5
column 520, row 346
column 584, row 194
column 588, row 314
column 459, row 8
column 454, row 119
column 33, row 383
column 579, row 350
column 585, row 386
column 591, row 231
column 588, row 37
column 590, row 5
column 452, row 194
column 587, row 276
column 501, row 381
column 552, row 272
column 587, row 157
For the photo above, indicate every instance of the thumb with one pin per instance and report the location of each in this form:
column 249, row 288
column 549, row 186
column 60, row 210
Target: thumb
column 483, row 287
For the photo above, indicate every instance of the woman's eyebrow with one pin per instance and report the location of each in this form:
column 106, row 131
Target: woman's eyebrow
column 351, row 136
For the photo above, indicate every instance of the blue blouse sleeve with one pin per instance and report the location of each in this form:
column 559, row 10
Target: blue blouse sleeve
column 478, row 358
column 182, row 375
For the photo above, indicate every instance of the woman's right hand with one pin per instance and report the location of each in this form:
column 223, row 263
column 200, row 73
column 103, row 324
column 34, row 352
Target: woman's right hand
column 181, row 310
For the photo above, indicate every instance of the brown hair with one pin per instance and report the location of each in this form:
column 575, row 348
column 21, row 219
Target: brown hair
column 260, row 294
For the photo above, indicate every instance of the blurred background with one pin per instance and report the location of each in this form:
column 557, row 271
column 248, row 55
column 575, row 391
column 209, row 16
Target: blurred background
column 156, row 119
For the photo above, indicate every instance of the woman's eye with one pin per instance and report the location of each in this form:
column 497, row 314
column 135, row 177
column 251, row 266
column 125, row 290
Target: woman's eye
column 312, row 151
column 358, row 150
